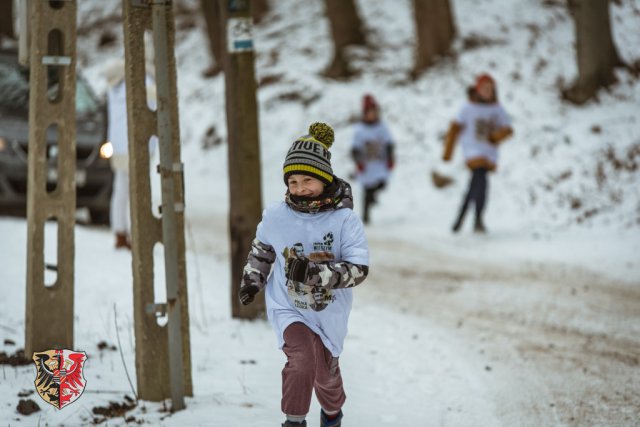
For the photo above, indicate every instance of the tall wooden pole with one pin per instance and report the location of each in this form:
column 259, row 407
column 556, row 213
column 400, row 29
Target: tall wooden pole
column 245, row 201
column 49, row 309
column 157, row 360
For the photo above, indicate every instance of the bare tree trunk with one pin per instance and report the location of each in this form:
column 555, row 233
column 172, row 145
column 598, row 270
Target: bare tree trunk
column 211, row 10
column 448, row 30
column 6, row 19
column 346, row 30
column 435, row 31
column 259, row 9
column 245, row 197
column 597, row 55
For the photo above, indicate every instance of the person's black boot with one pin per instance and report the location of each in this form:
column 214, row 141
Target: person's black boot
column 333, row 422
column 458, row 224
column 294, row 424
column 479, row 227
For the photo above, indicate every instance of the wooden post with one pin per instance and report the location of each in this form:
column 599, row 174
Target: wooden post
column 49, row 309
column 245, row 198
column 152, row 340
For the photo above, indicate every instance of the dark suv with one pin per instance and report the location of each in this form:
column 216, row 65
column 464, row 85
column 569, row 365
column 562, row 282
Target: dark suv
column 93, row 173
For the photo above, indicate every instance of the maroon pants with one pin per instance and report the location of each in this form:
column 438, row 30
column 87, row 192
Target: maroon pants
column 309, row 366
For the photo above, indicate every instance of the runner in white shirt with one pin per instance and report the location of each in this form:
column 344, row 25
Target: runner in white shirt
column 309, row 251
column 482, row 124
column 372, row 151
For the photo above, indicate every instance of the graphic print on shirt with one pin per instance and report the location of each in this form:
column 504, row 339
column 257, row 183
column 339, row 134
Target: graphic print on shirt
column 483, row 129
column 374, row 150
column 307, row 297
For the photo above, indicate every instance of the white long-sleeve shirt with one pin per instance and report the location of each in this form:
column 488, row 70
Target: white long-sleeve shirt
column 478, row 122
column 336, row 235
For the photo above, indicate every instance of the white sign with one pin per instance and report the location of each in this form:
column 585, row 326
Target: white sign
column 240, row 35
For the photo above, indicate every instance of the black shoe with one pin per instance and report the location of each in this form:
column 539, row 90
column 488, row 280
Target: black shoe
column 479, row 227
column 456, row 227
column 294, row 424
column 326, row 422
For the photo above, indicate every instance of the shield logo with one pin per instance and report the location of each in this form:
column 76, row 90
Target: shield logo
column 59, row 376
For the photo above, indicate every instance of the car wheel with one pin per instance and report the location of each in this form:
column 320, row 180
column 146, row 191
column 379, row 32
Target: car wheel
column 99, row 217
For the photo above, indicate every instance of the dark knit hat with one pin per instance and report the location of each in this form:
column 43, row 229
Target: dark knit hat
column 368, row 103
column 309, row 154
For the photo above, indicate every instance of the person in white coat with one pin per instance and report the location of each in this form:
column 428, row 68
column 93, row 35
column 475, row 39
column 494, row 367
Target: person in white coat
column 117, row 135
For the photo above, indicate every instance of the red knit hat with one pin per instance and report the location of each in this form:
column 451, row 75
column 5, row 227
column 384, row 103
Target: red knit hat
column 368, row 102
column 485, row 77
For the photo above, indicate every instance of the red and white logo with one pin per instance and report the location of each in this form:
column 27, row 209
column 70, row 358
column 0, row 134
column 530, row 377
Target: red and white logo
column 59, row 376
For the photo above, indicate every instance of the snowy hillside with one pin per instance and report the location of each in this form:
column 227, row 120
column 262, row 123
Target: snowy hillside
column 566, row 165
column 448, row 328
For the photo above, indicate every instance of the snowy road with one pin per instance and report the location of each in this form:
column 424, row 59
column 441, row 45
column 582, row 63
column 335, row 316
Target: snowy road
column 444, row 339
column 533, row 344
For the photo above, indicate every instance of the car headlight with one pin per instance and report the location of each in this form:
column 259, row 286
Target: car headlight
column 106, row 150
column 3, row 144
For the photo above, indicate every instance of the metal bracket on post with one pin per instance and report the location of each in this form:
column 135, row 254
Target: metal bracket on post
column 166, row 172
column 157, row 310
column 147, row 3
column 176, row 168
column 56, row 60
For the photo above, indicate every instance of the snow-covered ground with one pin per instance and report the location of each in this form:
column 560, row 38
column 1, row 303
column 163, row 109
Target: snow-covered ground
column 536, row 323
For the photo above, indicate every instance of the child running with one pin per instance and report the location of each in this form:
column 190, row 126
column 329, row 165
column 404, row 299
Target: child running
column 317, row 247
column 482, row 125
column 372, row 151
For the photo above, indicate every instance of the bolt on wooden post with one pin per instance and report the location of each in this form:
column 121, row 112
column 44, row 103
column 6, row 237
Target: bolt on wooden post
column 163, row 358
column 245, row 197
column 51, row 188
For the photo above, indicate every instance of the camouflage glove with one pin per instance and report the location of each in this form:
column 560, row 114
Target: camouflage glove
column 297, row 269
column 247, row 294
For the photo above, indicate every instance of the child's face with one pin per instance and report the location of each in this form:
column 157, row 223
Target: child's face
column 305, row 186
column 371, row 115
column 485, row 90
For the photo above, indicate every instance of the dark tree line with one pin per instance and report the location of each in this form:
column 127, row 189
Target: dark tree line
column 435, row 31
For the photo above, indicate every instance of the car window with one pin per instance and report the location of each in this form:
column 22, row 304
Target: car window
column 14, row 90
column 14, row 87
column 85, row 101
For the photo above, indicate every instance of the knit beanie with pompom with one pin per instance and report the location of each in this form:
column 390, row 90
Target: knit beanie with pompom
column 309, row 154
column 482, row 78
column 369, row 103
